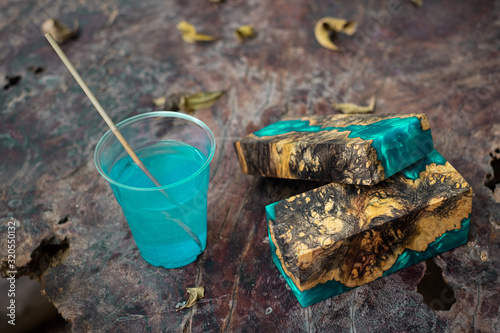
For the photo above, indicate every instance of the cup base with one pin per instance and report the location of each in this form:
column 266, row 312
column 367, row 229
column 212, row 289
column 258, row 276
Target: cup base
column 172, row 254
column 171, row 265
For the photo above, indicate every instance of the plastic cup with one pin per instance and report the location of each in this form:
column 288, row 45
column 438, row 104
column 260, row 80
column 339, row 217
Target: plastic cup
column 168, row 223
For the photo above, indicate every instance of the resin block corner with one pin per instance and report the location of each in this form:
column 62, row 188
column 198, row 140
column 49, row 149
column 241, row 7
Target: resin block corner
column 337, row 237
column 351, row 149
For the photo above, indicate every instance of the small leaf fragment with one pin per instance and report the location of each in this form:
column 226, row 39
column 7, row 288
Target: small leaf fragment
column 217, row 1
column 188, row 102
column 168, row 103
column 59, row 31
column 112, row 17
column 245, row 32
column 350, row 28
column 328, row 27
column 350, row 108
column 201, row 100
column 418, row 3
column 190, row 35
column 195, row 294
column 160, row 101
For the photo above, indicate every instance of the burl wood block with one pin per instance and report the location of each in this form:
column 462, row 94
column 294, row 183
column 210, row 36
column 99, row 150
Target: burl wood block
column 337, row 237
column 349, row 149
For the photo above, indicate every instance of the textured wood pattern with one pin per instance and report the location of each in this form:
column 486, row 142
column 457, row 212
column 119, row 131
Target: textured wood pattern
column 353, row 234
column 328, row 154
column 440, row 59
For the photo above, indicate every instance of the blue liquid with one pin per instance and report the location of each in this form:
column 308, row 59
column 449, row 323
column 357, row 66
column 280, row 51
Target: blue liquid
column 151, row 214
column 399, row 142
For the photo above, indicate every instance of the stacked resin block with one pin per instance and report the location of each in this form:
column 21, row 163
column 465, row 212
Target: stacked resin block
column 340, row 236
column 346, row 234
column 349, row 149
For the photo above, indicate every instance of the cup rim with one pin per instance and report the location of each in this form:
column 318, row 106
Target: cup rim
column 169, row 114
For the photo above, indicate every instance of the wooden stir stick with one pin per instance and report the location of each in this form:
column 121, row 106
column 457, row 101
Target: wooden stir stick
column 115, row 130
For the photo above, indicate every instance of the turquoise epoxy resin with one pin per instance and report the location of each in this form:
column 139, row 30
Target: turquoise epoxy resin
column 337, row 237
column 350, row 149
column 414, row 171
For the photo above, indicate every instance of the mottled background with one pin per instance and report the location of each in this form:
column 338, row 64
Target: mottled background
column 442, row 59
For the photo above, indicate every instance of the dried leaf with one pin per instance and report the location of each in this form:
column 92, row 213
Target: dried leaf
column 418, row 3
column 350, row 108
column 245, row 32
column 188, row 102
column 112, row 17
column 59, row 31
column 160, row 101
column 168, row 103
column 200, row 100
column 190, row 35
column 328, row 27
column 350, row 28
column 195, row 294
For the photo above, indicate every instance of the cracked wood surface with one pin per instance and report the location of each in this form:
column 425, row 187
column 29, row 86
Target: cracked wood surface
column 441, row 59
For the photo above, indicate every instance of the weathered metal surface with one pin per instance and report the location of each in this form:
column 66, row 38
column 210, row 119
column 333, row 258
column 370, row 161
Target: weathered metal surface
column 441, row 59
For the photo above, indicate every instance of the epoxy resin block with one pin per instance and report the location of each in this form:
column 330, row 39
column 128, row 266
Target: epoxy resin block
column 337, row 237
column 350, row 149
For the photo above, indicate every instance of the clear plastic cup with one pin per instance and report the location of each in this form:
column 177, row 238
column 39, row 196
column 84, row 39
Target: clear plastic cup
column 169, row 223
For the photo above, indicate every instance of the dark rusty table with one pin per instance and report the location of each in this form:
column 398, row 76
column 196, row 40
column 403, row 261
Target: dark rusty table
column 442, row 59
